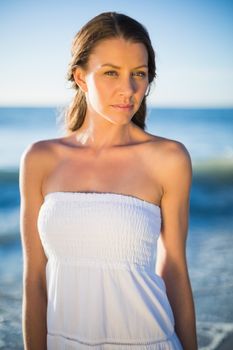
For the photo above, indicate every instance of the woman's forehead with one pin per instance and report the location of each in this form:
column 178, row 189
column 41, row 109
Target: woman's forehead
column 117, row 51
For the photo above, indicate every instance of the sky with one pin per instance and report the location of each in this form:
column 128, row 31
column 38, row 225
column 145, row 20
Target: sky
column 192, row 40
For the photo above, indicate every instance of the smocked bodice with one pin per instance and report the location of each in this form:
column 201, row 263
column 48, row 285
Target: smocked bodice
column 100, row 228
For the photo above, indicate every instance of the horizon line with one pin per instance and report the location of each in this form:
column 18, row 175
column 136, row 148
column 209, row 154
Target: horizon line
column 149, row 106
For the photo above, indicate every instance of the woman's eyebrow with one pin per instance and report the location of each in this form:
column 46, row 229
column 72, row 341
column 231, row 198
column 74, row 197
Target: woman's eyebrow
column 117, row 67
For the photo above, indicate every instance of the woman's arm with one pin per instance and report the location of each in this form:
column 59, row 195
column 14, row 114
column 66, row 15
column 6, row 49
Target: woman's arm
column 34, row 259
column 171, row 260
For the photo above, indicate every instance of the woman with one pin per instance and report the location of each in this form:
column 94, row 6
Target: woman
column 94, row 202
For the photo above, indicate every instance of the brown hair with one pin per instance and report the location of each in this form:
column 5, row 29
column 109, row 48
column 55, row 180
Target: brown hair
column 105, row 26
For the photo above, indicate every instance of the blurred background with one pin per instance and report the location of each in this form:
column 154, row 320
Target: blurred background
column 191, row 101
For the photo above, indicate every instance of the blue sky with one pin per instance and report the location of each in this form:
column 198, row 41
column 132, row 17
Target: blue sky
column 192, row 39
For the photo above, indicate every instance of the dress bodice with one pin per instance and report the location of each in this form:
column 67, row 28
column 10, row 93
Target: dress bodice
column 100, row 227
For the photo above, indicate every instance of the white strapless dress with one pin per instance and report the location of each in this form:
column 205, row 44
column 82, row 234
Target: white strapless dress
column 103, row 292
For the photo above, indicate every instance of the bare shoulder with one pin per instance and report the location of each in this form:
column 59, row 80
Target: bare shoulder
column 41, row 154
column 175, row 153
column 35, row 162
column 38, row 150
column 169, row 163
column 178, row 160
column 171, row 153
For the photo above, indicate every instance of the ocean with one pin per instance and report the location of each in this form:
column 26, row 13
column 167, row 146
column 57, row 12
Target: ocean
column 207, row 134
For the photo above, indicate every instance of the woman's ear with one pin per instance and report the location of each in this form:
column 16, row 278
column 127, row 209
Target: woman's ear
column 79, row 78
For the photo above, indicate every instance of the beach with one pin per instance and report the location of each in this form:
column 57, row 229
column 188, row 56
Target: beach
column 210, row 236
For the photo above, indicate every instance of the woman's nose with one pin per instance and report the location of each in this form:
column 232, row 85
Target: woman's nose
column 127, row 86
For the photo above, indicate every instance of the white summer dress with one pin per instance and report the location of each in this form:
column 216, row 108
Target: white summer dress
column 103, row 292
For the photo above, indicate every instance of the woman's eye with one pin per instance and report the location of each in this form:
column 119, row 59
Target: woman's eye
column 140, row 74
column 111, row 73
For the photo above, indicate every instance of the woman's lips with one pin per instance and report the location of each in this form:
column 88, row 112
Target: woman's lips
column 122, row 106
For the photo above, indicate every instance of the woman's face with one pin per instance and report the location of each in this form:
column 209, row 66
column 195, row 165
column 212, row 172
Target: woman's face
column 116, row 79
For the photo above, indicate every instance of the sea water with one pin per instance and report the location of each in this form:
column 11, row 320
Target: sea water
column 207, row 135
